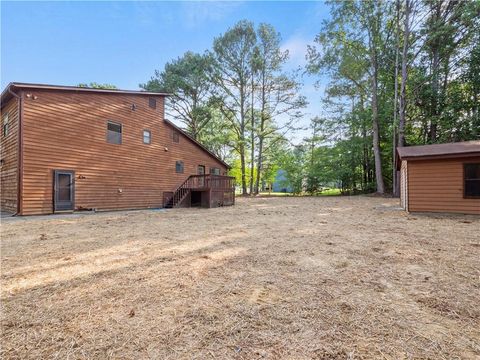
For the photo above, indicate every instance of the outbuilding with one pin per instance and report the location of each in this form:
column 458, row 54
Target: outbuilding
column 440, row 177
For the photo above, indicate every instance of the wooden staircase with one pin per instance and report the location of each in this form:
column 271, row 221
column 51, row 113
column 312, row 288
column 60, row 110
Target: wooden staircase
column 215, row 185
column 180, row 193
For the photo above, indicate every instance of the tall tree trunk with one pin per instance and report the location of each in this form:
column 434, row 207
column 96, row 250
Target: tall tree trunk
column 374, row 41
column 376, row 127
column 194, row 118
column 403, row 87
column 395, row 185
column 252, row 139
column 366, row 163
column 243, row 168
column 242, row 138
column 259, row 164
column 435, row 76
column 261, row 135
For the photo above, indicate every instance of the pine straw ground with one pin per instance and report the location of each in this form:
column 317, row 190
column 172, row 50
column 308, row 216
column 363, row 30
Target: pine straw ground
column 295, row 278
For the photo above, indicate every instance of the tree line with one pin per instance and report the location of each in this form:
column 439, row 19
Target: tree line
column 400, row 73
column 236, row 98
column 403, row 73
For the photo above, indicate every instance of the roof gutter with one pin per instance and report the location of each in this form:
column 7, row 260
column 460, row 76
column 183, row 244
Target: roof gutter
column 20, row 151
column 440, row 156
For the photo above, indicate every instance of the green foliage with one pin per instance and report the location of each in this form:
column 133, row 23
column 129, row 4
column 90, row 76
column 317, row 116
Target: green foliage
column 236, row 171
column 442, row 84
column 187, row 79
column 217, row 137
column 232, row 97
column 292, row 162
column 94, row 85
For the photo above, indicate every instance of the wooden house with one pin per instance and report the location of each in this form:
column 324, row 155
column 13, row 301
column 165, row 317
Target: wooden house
column 69, row 148
column 440, row 177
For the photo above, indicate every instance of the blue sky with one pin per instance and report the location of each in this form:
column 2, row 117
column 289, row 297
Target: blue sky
column 122, row 43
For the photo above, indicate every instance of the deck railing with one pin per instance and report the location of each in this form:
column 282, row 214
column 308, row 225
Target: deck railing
column 211, row 181
column 215, row 183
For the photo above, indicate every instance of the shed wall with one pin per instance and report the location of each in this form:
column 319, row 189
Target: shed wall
column 437, row 186
column 67, row 131
column 404, row 185
column 9, row 157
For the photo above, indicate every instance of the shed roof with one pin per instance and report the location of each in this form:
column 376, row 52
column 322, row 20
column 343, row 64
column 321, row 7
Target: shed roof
column 6, row 94
column 456, row 149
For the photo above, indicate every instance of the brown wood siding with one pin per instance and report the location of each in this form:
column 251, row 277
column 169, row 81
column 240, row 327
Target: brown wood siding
column 9, row 156
column 67, row 131
column 437, row 186
column 404, row 185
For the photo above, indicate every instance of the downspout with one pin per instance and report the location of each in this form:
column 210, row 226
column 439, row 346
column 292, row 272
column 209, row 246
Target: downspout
column 20, row 152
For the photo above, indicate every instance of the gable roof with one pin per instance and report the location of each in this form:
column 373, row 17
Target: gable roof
column 175, row 127
column 6, row 93
column 456, row 149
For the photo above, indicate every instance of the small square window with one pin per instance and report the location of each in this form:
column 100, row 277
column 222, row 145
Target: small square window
column 147, row 137
column 152, row 102
column 175, row 136
column 215, row 171
column 5, row 125
column 471, row 186
column 114, row 133
column 179, row 166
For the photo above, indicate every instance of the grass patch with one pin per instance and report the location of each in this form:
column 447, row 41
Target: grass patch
column 266, row 193
column 329, row 192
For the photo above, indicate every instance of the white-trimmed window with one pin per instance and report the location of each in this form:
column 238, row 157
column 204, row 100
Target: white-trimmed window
column 152, row 102
column 114, row 133
column 147, row 137
column 214, row 171
column 179, row 166
column 175, row 136
column 471, row 178
column 5, row 125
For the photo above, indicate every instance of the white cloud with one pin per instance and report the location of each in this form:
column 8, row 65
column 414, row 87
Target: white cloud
column 197, row 13
column 297, row 49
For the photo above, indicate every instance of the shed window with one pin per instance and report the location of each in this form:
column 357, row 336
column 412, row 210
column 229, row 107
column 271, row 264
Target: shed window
column 179, row 166
column 175, row 136
column 472, row 180
column 147, row 137
column 214, row 171
column 114, row 133
column 152, row 102
column 5, row 125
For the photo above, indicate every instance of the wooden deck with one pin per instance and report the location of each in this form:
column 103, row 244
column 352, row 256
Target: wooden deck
column 204, row 191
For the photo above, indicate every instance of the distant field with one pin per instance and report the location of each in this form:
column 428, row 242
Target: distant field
column 275, row 278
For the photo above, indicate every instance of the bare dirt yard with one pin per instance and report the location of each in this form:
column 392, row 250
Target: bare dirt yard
column 295, row 278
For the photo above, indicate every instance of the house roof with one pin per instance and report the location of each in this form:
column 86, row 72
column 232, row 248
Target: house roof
column 171, row 124
column 6, row 94
column 456, row 149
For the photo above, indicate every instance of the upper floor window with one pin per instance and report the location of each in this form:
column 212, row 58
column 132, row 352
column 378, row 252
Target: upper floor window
column 114, row 133
column 175, row 136
column 214, row 171
column 152, row 102
column 471, row 186
column 179, row 166
column 147, row 137
column 5, row 125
